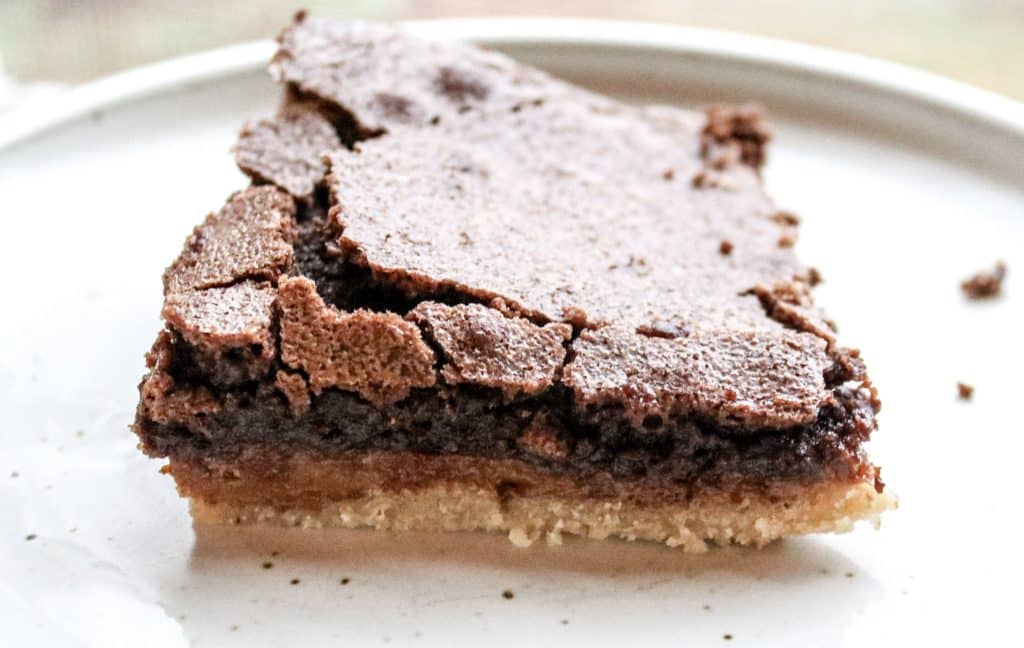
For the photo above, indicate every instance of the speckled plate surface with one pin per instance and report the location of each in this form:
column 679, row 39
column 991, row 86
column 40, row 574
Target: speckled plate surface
column 906, row 183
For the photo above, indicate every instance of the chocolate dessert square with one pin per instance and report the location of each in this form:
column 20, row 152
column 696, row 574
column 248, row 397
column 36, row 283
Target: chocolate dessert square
column 461, row 294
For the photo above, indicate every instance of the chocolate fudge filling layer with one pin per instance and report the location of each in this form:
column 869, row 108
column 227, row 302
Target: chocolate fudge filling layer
column 526, row 416
column 449, row 258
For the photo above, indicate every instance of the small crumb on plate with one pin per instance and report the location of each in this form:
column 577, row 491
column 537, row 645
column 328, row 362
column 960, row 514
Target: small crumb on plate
column 964, row 391
column 985, row 284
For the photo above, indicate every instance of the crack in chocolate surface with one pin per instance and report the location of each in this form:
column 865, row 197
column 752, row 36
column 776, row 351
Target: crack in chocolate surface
column 480, row 346
column 250, row 238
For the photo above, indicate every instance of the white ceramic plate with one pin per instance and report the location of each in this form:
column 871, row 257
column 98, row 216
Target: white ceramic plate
column 906, row 184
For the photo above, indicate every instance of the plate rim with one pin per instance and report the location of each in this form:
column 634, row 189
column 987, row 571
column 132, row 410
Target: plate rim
column 926, row 89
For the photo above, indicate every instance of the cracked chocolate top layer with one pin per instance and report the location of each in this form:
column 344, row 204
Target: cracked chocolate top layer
column 249, row 238
column 503, row 184
column 234, row 316
column 740, row 377
column 383, row 78
column 559, row 238
column 490, row 230
column 480, row 346
column 379, row 355
column 287, row 150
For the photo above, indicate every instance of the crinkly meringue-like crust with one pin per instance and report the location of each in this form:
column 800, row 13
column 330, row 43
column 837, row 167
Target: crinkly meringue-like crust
column 379, row 355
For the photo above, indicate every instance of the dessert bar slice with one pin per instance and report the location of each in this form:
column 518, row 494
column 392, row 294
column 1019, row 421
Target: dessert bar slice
column 461, row 294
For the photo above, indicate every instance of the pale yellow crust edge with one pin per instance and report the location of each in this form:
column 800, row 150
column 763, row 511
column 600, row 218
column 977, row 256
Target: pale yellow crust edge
column 754, row 521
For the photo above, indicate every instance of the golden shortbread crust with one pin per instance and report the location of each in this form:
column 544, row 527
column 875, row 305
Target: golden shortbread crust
column 712, row 518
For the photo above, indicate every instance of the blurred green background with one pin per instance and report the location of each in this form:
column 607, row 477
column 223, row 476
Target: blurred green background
column 980, row 41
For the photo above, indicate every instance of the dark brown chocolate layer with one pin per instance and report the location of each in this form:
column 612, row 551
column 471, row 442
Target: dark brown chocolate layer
column 545, row 431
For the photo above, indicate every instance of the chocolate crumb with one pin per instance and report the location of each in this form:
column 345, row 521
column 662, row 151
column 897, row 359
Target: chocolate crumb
column 814, row 276
column 346, row 580
column 727, row 637
column 669, row 174
column 268, row 565
column 725, row 247
column 703, row 178
column 295, row 581
column 786, row 218
column 33, row 536
column 274, row 554
column 964, row 391
column 985, row 285
column 699, row 179
column 508, row 594
column 739, row 127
